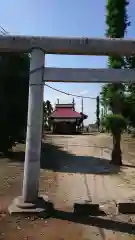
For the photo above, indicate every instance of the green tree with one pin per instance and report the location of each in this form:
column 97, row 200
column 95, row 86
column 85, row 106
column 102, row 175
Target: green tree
column 116, row 124
column 47, row 110
column 117, row 23
column 14, row 80
column 129, row 109
column 113, row 94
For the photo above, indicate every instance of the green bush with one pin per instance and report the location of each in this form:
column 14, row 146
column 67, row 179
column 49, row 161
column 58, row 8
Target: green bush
column 115, row 123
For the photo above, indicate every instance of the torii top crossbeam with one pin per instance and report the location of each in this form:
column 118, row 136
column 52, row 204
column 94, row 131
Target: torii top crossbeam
column 72, row 46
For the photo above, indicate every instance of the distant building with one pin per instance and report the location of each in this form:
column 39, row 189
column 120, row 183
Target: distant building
column 92, row 127
column 65, row 119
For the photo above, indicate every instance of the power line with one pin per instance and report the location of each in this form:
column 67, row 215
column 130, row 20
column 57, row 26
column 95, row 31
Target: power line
column 3, row 31
column 58, row 90
column 69, row 94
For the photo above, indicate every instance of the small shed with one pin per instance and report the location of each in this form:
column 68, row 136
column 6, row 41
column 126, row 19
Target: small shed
column 65, row 119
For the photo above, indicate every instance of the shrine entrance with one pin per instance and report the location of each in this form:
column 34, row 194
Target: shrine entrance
column 38, row 47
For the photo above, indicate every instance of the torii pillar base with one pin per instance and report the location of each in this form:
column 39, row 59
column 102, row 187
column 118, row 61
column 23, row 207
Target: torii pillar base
column 40, row 208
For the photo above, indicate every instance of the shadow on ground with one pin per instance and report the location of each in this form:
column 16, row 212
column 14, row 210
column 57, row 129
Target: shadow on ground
column 55, row 158
column 95, row 221
column 128, row 165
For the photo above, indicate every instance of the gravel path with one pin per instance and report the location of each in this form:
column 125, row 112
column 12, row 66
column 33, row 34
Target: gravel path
column 84, row 174
column 74, row 169
column 88, row 171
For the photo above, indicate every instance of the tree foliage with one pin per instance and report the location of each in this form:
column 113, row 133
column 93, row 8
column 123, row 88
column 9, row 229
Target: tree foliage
column 119, row 98
column 115, row 123
column 117, row 23
column 113, row 95
column 14, row 81
column 14, row 87
column 47, row 110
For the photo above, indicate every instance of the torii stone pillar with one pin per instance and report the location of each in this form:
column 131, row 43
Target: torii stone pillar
column 34, row 128
column 34, row 133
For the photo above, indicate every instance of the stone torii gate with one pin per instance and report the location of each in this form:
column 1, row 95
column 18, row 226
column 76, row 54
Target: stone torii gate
column 38, row 47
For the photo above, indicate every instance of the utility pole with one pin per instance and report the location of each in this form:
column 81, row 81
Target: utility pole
column 98, row 112
column 58, row 101
column 82, row 104
column 82, row 113
column 73, row 104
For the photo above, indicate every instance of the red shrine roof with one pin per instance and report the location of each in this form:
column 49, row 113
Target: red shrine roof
column 65, row 111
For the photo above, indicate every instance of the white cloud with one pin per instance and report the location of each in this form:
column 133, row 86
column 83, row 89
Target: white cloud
column 84, row 92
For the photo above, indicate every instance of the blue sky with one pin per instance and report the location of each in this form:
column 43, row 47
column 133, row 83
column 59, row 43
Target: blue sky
column 63, row 18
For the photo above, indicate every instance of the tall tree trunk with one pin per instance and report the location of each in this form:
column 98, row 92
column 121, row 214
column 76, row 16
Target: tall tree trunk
column 116, row 152
column 117, row 22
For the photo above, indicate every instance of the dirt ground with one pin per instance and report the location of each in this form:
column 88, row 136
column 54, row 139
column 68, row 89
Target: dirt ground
column 74, row 169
